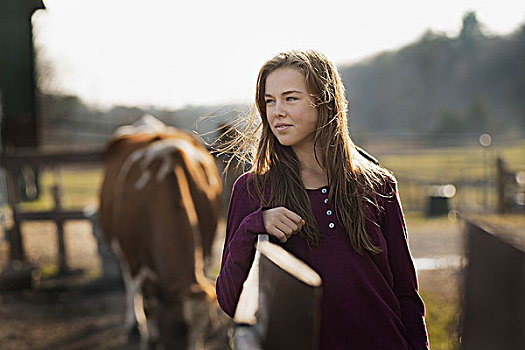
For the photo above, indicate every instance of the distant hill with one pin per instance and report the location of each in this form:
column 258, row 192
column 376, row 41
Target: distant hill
column 472, row 83
column 67, row 120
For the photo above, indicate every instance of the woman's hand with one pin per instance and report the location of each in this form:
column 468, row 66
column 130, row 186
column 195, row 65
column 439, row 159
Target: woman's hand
column 281, row 222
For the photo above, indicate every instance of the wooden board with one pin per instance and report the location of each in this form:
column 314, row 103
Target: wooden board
column 281, row 299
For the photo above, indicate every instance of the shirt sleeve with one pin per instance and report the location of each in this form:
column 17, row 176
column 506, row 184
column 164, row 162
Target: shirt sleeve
column 403, row 271
column 244, row 222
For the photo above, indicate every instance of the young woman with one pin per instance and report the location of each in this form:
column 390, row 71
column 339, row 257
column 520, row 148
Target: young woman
column 329, row 204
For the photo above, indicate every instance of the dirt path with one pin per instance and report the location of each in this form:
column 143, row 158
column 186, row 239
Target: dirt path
column 60, row 317
column 65, row 313
column 437, row 238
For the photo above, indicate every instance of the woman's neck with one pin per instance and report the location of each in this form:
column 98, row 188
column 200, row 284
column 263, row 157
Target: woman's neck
column 312, row 173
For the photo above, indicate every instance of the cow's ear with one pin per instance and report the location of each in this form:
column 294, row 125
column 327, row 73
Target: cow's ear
column 113, row 145
column 114, row 141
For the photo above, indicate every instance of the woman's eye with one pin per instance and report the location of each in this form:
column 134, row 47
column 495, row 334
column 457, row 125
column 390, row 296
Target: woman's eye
column 269, row 101
column 291, row 98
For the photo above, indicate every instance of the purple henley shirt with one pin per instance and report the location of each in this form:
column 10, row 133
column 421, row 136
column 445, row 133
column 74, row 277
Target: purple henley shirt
column 369, row 301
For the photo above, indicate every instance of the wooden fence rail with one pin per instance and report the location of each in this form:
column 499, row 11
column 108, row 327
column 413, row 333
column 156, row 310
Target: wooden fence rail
column 11, row 162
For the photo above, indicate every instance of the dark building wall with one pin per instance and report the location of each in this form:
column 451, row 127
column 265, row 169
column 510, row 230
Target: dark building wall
column 17, row 73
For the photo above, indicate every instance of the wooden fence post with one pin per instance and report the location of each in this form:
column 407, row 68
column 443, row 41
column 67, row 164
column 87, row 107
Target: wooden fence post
column 494, row 291
column 286, row 293
column 59, row 222
column 500, row 185
column 16, row 245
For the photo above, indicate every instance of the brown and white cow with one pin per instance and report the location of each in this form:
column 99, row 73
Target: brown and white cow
column 159, row 205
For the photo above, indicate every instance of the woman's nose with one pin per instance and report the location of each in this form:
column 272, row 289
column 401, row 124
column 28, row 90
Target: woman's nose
column 279, row 110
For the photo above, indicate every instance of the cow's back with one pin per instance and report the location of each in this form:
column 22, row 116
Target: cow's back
column 149, row 210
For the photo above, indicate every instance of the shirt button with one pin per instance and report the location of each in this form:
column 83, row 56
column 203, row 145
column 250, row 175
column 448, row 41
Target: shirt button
column 328, row 212
column 325, row 201
column 331, row 225
column 323, row 190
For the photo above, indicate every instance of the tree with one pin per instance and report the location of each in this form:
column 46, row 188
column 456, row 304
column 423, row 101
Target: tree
column 477, row 115
column 471, row 33
column 450, row 122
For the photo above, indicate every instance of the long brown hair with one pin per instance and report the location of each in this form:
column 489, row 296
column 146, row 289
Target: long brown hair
column 353, row 179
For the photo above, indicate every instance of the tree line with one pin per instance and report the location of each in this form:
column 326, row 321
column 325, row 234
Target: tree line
column 472, row 83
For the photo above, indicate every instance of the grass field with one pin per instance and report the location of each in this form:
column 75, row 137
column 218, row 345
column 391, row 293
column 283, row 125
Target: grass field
column 79, row 187
column 453, row 163
column 470, row 168
column 442, row 320
column 466, row 167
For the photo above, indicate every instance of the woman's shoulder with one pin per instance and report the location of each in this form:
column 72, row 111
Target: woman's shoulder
column 372, row 171
column 243, row 181
column 378, row 184
column 252, row 187
column 245, row 185
column 389, row 183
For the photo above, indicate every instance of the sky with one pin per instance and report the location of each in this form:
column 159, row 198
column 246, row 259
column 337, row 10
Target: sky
column 170, row 54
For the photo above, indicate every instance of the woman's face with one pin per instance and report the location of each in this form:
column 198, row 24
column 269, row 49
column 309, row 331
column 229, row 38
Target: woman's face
column 290, row 110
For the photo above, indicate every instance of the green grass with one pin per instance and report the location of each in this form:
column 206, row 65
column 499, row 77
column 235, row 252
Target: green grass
column 48, row 270
column 442, row 318
column 453, row 163
column 466, row 167
column 415, row 170
column 79, row 188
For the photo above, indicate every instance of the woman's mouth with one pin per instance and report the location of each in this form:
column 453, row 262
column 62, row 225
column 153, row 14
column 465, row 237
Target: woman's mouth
column 282, row 127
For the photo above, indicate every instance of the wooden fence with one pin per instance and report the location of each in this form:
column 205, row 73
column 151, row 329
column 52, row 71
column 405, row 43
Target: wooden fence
column 494, row 290
column 279, row 307
column 11, row 162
